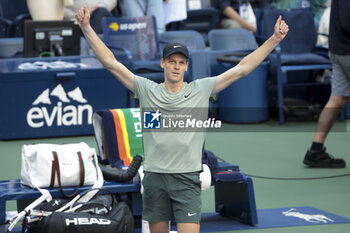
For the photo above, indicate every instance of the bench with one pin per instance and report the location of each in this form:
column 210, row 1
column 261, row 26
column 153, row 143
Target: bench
column 233, row 199
column 14, row 190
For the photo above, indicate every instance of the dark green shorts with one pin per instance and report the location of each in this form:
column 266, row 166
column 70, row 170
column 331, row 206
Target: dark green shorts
column 175, row 197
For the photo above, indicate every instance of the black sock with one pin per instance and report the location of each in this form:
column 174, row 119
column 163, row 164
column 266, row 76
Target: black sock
column 316, row 146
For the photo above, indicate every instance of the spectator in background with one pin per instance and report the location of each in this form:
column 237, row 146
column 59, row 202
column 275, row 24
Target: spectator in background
column 98, row 10
column 45, row 10
column 317, row 6
column 323, row 27
column 138, row 8
column 175, row 12
column 238, row 13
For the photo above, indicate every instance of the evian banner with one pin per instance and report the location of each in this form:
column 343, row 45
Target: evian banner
column 60, row 108
column 51, row 97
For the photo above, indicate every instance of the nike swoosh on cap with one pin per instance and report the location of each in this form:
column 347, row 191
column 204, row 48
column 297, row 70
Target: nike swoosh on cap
column 177, row 46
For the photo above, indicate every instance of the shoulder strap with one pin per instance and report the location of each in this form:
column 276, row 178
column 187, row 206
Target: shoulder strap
column 57, row 170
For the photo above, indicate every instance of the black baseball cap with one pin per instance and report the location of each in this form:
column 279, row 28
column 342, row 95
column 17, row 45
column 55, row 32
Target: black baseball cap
column 173, row 48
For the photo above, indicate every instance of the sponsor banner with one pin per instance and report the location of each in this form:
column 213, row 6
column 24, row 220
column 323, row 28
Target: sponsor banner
column 127, row 26
column 51, row 97
column 70, row 109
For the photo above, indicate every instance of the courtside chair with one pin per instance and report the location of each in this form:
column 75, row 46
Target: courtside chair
column 238, row 39
column 244, row 101
column 11, row 47
column 134, row 42
column 192, row 39
column 297, row 52
column 202, row 20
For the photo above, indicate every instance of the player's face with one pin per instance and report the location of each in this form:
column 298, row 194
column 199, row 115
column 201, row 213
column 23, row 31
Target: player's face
column 174, row 67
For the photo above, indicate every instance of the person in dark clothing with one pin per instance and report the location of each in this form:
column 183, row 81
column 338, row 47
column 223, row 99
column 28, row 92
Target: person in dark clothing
column 231, row 12
column 339, row 51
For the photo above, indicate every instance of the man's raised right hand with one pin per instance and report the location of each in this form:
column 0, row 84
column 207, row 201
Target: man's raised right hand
column 83, row 17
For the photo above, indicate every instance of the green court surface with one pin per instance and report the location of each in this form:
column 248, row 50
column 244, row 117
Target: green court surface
column 271, row 154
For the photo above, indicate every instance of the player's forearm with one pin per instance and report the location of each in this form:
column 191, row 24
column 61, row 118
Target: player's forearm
column 103, row 54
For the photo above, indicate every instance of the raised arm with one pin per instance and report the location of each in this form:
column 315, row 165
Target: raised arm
column 251, row 61
column 102, row 53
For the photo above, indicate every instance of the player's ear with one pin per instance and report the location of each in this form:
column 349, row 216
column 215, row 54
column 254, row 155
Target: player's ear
column 162, row 63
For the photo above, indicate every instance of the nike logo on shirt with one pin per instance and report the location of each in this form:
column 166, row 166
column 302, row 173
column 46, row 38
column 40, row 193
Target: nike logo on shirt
column 187, row 95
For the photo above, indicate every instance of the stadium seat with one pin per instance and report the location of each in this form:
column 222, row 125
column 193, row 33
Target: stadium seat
column 245, row 100
column 134, row 42
column 192, row 39
column 297, row 52
column 11, row 47
column 203, row 19
column 238, row 39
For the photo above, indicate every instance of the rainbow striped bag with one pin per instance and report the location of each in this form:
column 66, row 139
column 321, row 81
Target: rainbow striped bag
column 119, row 135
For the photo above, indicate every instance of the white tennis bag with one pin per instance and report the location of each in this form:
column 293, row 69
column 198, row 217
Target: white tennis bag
column 52, row 165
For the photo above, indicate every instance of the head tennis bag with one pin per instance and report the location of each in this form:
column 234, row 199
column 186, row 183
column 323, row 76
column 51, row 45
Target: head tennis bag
column 101, row 214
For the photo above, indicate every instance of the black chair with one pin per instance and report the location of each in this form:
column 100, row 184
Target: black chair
column 297, row 52
column 5, row 26
column 15, row 11
column 202, row 20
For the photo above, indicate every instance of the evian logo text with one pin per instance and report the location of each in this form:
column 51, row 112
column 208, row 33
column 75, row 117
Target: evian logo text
column 63, row 113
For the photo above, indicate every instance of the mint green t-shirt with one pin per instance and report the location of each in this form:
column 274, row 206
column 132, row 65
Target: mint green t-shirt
column 177, row 150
